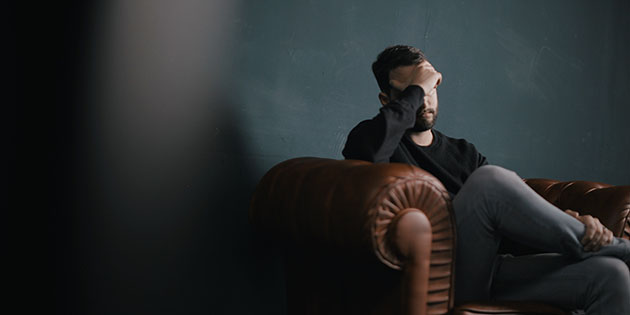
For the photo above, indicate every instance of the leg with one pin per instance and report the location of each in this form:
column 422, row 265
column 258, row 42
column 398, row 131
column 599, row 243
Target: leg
column 495, row 202
column 598, row 285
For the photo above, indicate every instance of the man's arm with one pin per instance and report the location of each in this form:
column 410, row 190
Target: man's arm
column 375, row 140
column 481, row 160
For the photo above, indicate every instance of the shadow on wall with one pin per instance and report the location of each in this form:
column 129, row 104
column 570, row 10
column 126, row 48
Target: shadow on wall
column 245, row 270
column 245, row 273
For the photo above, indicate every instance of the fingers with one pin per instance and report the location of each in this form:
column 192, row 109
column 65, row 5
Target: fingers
column 596, row 242
column 605, row 239
column 596, row 235
column 589, row 233
column 609, row 237
column 422, row 74
column 427, row 77
column 572, row 213
column 425, row 64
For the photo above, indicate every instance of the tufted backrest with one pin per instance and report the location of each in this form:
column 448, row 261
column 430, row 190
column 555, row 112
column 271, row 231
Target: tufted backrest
column 611, row 204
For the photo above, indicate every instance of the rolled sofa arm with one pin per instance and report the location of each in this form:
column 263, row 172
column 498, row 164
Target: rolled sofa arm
column 610, row 204
column 355, row 206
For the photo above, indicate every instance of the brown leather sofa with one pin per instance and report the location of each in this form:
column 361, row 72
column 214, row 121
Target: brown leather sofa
column 363, row 238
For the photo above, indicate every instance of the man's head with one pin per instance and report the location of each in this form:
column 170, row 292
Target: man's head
column 400, row 63
column 392, row 58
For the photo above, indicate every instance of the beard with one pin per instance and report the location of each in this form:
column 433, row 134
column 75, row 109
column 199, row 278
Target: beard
column 424, row 123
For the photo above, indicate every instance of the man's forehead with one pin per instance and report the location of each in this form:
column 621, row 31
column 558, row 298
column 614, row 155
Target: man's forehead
column 402, row 71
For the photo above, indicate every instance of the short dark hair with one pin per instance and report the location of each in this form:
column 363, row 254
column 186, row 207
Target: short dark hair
column 392, row 58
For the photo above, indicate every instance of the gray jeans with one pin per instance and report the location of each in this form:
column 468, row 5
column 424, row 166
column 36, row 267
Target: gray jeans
column 495, row 203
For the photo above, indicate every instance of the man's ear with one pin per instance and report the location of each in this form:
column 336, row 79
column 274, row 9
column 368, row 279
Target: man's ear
column 383, row 98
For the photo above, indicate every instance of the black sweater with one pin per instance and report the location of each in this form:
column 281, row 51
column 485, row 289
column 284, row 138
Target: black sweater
column 385, row 138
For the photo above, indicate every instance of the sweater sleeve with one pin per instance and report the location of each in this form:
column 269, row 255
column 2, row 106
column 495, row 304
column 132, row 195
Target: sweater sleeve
column 375, row 140
column 481, row 160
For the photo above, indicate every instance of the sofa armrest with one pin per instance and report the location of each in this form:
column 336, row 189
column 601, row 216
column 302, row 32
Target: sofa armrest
column 610, row 204
column 355, row 206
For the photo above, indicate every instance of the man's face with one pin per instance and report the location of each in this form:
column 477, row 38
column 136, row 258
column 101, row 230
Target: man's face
column 427, row 113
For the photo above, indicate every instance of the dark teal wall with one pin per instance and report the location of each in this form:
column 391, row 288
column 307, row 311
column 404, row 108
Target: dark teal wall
column 158, row 118
column 539, row 86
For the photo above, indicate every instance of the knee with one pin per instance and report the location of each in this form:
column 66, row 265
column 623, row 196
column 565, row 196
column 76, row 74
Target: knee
column 608, row 285
column 493, row 176
column 610, row 272
column 616, row 269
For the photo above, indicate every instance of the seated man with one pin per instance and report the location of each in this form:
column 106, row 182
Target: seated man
column 585, row 268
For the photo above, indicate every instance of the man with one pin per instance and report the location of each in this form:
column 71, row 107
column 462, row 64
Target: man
column 586, row 267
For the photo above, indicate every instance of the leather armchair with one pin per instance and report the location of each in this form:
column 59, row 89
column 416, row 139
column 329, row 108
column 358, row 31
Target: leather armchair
column 363, row 238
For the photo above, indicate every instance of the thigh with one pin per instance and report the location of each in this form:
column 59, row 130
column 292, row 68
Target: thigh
column 558, row 280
